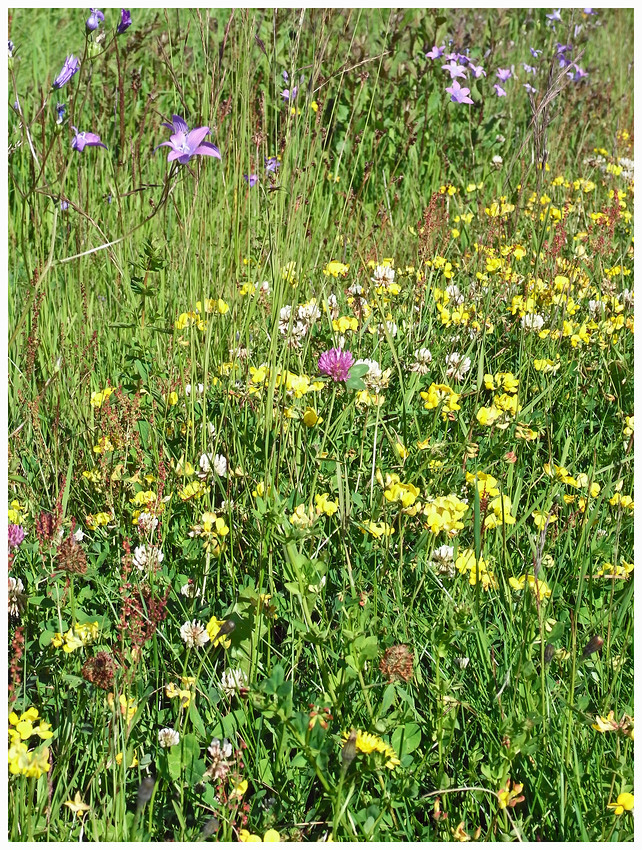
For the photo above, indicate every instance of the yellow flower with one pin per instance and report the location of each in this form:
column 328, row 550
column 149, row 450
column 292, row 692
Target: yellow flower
column 624, row 804
column 378, row 529
column 501, row 514
column 97, row 399
column 238, row 790
column 245, row 835
column 459, row 833
column 172, row 398
column 541, row 518
column 272, row 835
column 335, row 269
column 218, row 635
column 311, row 417
column 77, row 806
column 539, row 587
column 324, row 505
column 486, row 484
column 606, row 724
column 510, row 798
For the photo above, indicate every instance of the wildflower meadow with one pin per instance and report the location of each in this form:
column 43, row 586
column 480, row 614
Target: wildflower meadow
column 320, row 425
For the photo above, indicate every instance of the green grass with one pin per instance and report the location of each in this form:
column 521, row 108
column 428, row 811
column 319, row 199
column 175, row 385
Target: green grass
column 377, row 166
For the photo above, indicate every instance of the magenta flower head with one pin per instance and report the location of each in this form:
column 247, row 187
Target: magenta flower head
column 81, row 140
column 94, row 20
column 186, row 143
column 125, row 21
column 459, row 94
column 16, row 535
column 72, row 64
column 336, row 363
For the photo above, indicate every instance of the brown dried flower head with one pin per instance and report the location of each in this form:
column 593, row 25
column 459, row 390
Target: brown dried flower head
column 71, row 557
column 397, row 662
column 100, row 670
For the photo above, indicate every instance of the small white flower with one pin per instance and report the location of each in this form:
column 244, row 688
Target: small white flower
column 355, row 289
column 264, row 287
column 423, row 359
column 532, row 322
column 168, row 737
column 220, row 465
column 190, row 590
column 454, row 294
column 16, row 587
column 497, row 161
column 79, row 535
column 462, row 663
column 383, row 275
column 204, row 463
column 147, row 523
column 233, row 681
column 457, row 366
column 194, row 633
column 147, row 557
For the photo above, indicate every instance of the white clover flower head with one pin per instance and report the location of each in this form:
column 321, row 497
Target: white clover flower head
column 147, row 522
column 532, row 321
column 220, row 465
column 233, row 681
column 147, row 557
column 190, row 590
column 79, row 535
column 383, row 275
column 204, row 463
column 457, row 366
column 16, row 587
column 454, row 294
column 168, row 737
column 423, row 359
column 194, row 634
column 355, row 289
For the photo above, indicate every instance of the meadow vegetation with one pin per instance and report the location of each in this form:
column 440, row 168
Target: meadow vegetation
column 320, row 425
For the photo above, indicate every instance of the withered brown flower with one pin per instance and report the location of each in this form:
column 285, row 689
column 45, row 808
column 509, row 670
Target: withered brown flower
column 396, row 663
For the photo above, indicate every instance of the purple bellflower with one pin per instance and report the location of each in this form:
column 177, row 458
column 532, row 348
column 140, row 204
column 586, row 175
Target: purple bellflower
column 529, row 68
column 534, row 53
column 336, row 363
column 529, row 88
column 436, row 52
column 251, row 179
column 272, row 163
column 288, row 95
column 125, row 21
column 499, row 91
column 504, row 74
column 555, row 16
column 82, row 140
column 455, row 70
column 459, row 94
column 60, row 111
column 94, row 20
column 476, row 70
column 71, row 66
column 186, row 143
column 579, row 74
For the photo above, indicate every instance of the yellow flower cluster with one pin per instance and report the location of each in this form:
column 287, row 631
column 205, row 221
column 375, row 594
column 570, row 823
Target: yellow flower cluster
column 324, row 505
column 335, row 269
column 296, row 385
column 477, row 569
column 183, row 693
column 195, row 317
column 378, row 529
column 441, row 394
column 540, row 588
column 17, row 513
column 505, row 407
column 97, row 399
column 99, row 520
column 127, row 707
column 270, row 836
column 212, row 529
column 21, row 759
column 218, row 635
column 367, row 743
column 79, row 635
column 193, row 490
column 444, row 513
column 622, row 570
column 499, row 512
column 396, row 491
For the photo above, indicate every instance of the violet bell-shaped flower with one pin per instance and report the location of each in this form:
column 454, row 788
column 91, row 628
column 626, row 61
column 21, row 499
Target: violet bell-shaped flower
column 82, row 140
column 94, row 20
column 186, row 143
column 125, row 21
column 71, row 66
column 459, row 94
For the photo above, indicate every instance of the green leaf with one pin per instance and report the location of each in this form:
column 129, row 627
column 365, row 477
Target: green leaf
column 406, row 739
